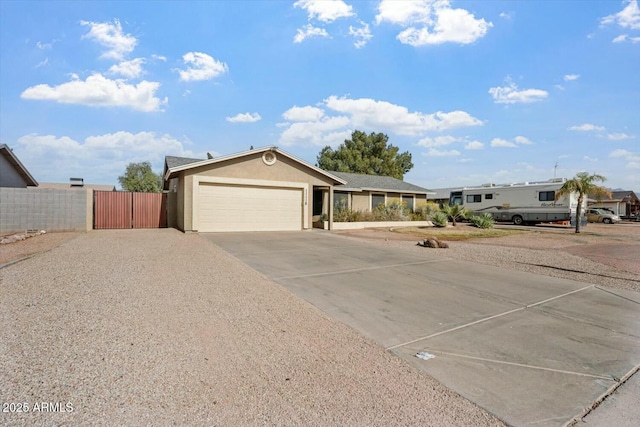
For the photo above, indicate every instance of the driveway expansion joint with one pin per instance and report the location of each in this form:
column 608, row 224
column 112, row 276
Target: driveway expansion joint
column 490, row 317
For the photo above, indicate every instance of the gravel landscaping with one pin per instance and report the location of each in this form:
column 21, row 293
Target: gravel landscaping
column 606, row 255
column 138, row 327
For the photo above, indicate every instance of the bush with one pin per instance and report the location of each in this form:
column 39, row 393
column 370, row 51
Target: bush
column 425, row 211
column 439, row 219
column 393, row 211
column 482, row 221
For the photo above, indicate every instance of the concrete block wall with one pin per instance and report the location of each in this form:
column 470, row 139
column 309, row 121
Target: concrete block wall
column 47, row 209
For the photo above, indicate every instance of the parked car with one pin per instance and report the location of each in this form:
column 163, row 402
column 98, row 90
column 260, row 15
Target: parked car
column 599, row 215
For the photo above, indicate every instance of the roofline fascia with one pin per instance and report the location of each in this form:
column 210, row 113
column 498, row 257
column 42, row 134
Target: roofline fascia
column 388, row 190
column 20, row 165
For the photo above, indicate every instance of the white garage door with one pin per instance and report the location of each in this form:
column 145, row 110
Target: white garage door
column 242, row 208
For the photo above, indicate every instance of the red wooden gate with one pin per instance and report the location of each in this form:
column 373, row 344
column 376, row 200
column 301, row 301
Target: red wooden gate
column 123, row 209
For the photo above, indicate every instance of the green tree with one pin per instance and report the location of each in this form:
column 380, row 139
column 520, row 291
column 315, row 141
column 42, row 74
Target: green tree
column 139, row 177
column 455, row 212
column 369, row 154
column 583, row 184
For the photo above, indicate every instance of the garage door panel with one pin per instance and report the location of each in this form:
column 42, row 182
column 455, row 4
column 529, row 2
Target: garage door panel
column 246, row 208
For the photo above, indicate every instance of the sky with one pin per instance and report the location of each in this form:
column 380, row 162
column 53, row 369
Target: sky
column 477, row 91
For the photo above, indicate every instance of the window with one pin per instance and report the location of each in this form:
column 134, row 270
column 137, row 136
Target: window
column 317, row 202
column 376, row 200
column 488, row 196
column 547, row 196
column 474, row 198
column 340, row 200
column 409, row 201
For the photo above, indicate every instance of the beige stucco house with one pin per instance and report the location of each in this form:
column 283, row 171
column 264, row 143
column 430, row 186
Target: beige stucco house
column 268, row 189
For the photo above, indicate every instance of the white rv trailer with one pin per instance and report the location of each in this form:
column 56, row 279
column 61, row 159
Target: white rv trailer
column 520, row 203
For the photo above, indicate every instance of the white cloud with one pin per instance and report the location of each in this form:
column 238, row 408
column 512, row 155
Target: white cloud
column 325, row 11
column 502, row 143
column 522, row 140
column 510, row 94
column 99, row 91
column 130, row 69
column 44, row 46
column 111, row 36
column 201, row 66
column 625, row 37
column 590, row 159
column 629, row 17
column 372, row 114
column 437, row 141
column 559, row 87
column 312, row 125
column 632, row 158
column 309, row 31
column 362, row 35
column 430, row 22
column 303, row 114
column 618, row 136
column 506, row 15
column 571, row 77
column 98, row 159
column 42, row 63
column 159, row 57
column 326, row 131
column 587, row 127
column 244, row 118
column 434, row 152
column 474, row 145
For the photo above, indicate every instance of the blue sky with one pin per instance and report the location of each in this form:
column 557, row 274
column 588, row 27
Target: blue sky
column 477, row 91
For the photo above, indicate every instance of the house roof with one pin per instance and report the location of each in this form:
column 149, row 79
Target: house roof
column 11, row 158
column 67, row 186
column 360, row 182
column 177, row 164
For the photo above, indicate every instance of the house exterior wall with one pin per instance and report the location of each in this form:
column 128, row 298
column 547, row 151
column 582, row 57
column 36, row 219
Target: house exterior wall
column 33, row 208
column 247, row 167
column 9, row 176
column 360, row 201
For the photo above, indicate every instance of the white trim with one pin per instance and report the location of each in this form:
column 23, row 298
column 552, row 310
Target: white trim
column 388, row 190
column 195, row 195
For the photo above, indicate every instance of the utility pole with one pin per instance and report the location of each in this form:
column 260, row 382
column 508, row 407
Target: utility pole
column 555, row 168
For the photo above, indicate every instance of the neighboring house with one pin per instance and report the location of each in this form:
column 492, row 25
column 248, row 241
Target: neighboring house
column 12, row 171
column 268, row 189
column 442, row 196
column 365, row 192
column 623, row 203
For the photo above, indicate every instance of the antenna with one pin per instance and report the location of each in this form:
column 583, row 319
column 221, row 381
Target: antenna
column 555, row 168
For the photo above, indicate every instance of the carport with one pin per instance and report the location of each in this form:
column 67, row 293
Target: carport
column 534, row 350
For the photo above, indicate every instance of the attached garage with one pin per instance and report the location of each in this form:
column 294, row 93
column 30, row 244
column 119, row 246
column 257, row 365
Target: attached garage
column 247, row 208
column 265, row 189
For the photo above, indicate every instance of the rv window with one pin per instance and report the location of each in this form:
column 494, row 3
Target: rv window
column 547, row 196
column 488, row 196
column 474, row 198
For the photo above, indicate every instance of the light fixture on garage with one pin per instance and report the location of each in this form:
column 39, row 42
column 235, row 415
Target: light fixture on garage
column 269, row 158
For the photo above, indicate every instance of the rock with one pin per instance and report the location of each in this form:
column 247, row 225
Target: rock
column 43, row 232
column 432, row 242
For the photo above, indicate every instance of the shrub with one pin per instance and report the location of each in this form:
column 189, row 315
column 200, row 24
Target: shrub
column 482, row 221
column 425, row 211
column 393, row 211
column 439, row 219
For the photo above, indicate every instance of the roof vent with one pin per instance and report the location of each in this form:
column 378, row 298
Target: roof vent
column 76, row 182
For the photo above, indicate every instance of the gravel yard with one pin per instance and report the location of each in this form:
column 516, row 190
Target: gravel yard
column 607, row 255
column 157, row 327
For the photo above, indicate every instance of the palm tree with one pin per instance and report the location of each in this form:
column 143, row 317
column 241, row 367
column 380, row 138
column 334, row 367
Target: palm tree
column 455, row 211
column 583, row 184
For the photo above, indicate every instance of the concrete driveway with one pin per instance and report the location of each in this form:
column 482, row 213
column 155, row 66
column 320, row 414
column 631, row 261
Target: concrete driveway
column 534, row 350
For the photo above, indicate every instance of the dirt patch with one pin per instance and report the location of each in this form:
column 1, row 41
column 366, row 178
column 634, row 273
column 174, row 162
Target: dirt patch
column 34, row 245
